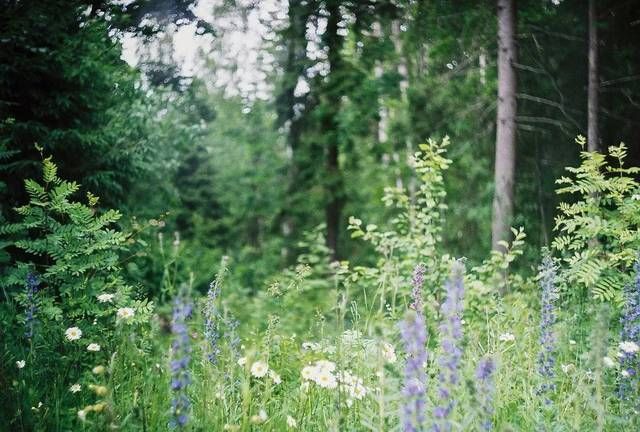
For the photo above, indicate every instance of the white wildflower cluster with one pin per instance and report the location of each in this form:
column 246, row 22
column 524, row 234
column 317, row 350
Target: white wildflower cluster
column 629, row 347
column 106, row 298
column 125, row 313
column 324, row 374
column 506, row 337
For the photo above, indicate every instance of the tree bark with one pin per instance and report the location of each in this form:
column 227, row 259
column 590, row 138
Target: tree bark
column 334, row 187
column 593, row 137
column 506, row 124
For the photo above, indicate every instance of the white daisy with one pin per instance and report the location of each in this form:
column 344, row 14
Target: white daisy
column 608, row 362
column 326, row 379
column 75, row 388
column 242, row 361
column 259, row 369
column 93, row 347
column 388, row 353
column 325, row 365
column 20, row 364
column 73, row 333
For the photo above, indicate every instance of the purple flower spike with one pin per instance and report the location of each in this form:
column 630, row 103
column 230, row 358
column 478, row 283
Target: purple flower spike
column 546, row 357
column 414, row 337
column 451, row 352
column 416, row 293
column 179, row 365
column 485, row 390
column 30, row 314
column 630, row 320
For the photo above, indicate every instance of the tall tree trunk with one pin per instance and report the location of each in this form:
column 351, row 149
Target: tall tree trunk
column 592, row 101
column 506, row 124
column 334, row 187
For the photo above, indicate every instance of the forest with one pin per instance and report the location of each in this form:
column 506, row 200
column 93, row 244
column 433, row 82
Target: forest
column 319, row 215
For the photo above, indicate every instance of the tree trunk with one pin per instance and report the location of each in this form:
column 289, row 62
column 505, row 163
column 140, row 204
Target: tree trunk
column 506, row 124
column 333, row 184
column 592, row 101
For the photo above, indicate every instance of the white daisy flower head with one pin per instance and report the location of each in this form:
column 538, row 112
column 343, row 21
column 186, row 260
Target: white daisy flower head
column 20, row 364
column 629, row 347
column 259, row 369
column 125, row 313
column 506, row 337
column 326, row 379
column 75, row 388
column 608, row 362
column 106, row 298
column 358, row 391
column 291, row 422
column 93, row 347
column 73, row 333
column 309, row 372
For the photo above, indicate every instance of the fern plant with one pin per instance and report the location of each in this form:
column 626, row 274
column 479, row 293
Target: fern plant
column 597, row 234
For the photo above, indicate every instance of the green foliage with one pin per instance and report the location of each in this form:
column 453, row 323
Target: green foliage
column 598, row 233
column 74, row 252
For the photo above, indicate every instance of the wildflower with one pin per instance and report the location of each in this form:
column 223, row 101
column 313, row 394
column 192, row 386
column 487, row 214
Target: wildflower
column 630, row 337
column 259, row 369
column 75, row 388
column 82, row 415
column 181, row 356
column 546, row 356
column 274, row 377
column 325, row 365
column 312, row 346
column 242, row 361
column 308, row 372
column 358, row 391
column 629, row 347
column 291, row 422
column 506, row 337
column 567, row 368
column 93, row 347
column 451, row 335
column 388, row 353
column 98, row 370
column 32, row 289
column 414, row 337
column 326, row 379
column 417, row 282
column 485, row 390
column 73, row 333
column 261, row 417
column 608, row 362
column 213, row 318
column 125, row 313
column 105, row 298
column 20, row 364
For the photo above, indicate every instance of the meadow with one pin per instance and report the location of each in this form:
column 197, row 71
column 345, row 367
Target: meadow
column 420, row 340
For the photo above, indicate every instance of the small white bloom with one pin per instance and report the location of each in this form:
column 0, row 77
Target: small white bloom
column 125, row 313
column 310, row 346
column 75, row 388
column 388, row 353
column 259, row 369
column 275, row 377
column 106, row 298
column 20, row 364
column 263, row 415
column 93, row 347
column 309, row 372
column 326, row 379
column 325, row 365
column 567, row 368
column 625, row 373
column 82, row 415
column 629, row 347
column 73, row 333
column 291, row 422
column 635, row 197
column 358, row 391
column 242, row 361
column 506, row 337
column 608, row 362
column 572, row 342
